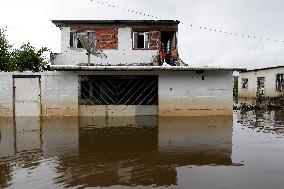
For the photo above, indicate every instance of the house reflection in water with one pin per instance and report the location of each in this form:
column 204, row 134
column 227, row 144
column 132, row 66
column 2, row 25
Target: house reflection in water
column 99, row 152
column 19, row 145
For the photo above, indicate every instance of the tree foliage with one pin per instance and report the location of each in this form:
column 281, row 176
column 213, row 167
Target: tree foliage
column 5, row 54
column 26, row 58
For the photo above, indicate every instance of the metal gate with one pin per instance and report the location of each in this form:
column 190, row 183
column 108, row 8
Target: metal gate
column 27, row 96
column 118, row 90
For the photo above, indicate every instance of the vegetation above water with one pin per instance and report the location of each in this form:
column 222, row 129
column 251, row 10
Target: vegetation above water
column 26, row 58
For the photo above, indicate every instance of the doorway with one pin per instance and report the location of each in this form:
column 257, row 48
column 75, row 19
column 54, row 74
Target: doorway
column 26, row 96
column 168, row 42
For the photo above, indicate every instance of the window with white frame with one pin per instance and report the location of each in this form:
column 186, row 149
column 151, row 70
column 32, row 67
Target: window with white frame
column 141, row 40
column 280, row 82
column 74, row 38
column 244, row 83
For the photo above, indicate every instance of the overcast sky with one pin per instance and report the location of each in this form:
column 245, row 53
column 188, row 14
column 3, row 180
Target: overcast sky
column 29, row 21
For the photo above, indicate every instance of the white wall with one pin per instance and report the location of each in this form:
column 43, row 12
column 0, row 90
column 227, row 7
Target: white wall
column 59, row 93
column 6, row 94
column 269, row 83
column 124, row 54
column 250, row 92
column 180, row 93
column 185, row 93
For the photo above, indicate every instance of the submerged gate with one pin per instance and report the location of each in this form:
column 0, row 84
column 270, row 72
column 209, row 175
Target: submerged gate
column 118, row 90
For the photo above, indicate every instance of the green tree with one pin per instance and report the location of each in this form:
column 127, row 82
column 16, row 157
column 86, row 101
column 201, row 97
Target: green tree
column 28, row 59
column 5, row 54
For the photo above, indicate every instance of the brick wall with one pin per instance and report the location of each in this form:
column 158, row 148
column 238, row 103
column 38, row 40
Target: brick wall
column 106, row 38
column 154, row 40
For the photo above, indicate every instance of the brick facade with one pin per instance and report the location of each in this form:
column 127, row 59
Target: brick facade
column 106, row 38
column 155, row 38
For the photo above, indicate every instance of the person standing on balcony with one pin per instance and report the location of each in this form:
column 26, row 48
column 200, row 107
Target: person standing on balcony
column 174, row 56
column 163, row 53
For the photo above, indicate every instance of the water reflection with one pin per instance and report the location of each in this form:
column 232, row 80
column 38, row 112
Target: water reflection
column 7, row 148
column 99, row 152
column 263, row 121
column 196, row 140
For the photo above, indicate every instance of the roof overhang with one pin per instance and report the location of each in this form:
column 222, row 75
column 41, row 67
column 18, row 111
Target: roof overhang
column 60, row 23
column 138, row 68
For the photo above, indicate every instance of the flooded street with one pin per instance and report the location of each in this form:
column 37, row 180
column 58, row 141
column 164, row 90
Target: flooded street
column 246, row 151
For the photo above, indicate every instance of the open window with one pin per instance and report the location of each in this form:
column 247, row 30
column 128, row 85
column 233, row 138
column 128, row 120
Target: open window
column 74, row 38
column 280, row 82
column 244, row 83
column 141, row 40
column 260, row 86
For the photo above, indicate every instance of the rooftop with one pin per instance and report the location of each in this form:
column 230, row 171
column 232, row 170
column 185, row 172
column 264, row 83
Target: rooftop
column 267, row 68
column 115, row 22
column 139, row 68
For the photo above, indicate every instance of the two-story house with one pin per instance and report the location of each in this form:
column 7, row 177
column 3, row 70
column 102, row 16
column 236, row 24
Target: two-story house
column 122, row 77
column 124, row 42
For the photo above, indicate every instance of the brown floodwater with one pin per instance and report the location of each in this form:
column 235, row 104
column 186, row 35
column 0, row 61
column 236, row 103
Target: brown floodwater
column 239, row 152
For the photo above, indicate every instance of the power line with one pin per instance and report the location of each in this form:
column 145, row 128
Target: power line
column 124, row 9
column 247, row 36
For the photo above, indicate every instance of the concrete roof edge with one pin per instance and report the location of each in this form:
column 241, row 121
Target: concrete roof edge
column 267, row 68
column 70, row 22
column 138, row 68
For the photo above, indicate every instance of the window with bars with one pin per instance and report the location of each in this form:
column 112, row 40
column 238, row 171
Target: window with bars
column 118, row 90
